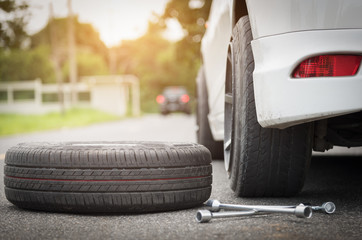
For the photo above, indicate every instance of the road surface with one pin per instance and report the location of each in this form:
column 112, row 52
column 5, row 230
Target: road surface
column 336, row 179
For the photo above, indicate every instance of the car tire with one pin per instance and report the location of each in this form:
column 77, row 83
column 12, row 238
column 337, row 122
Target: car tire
column 204, row 135
column 261, row 162
column 100, row 177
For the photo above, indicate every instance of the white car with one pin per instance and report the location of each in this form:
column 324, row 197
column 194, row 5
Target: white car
column 279, row 78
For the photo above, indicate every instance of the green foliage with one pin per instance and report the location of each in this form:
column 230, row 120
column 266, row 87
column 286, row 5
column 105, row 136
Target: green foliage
column 88, row 64
column 12, row 24
column 50, row 97
column 86, row 37
column 191, row 19
column 13, row 123
column 18, row 65
column 3, row 96
column 24, row 95
column 92, row 54
column 147, row 57
column 91, row 64
column 159, row 63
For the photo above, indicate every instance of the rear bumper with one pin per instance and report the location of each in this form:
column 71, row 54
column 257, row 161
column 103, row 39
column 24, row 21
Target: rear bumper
column 175, row 107
column 282, row 101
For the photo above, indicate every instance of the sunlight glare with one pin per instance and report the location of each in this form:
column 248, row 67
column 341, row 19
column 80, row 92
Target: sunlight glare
column 115, row 20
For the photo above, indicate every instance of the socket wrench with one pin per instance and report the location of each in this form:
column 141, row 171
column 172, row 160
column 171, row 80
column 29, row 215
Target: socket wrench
column 300, row 211
column 327, row 207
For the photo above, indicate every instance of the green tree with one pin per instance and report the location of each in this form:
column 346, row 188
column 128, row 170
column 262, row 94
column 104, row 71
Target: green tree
column 192, row 16
column 158, row 63
column 92, row 54
column 19, row 65
column 147, row 57
column 89, row 64
column 86, row 37
column 192, row 19
column 12, row 24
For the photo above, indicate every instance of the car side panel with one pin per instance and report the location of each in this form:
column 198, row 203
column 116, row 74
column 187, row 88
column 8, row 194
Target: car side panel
column 214, row 51
column 272, row 17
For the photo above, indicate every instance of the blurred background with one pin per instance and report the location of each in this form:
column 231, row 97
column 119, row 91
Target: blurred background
column 76, row 57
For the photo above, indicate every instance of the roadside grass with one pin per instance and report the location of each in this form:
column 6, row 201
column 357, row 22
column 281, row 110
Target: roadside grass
column 16, row 123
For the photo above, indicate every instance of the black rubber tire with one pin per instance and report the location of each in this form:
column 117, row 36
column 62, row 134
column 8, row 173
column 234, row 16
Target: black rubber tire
column 264, row 162
column 120, row 177
column 204, row 135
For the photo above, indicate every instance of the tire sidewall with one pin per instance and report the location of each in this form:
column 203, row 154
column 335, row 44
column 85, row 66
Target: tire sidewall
column 264, row 161
column 240, row 109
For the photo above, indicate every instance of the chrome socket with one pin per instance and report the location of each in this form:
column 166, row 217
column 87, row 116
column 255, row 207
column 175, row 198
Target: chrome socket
column 327, row 207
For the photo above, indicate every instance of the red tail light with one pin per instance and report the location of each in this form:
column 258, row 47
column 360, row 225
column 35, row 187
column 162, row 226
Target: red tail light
column 185, row 98
column 328, row 66
column 160, row 99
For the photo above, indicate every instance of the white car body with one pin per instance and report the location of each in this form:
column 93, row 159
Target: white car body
column 286, row 32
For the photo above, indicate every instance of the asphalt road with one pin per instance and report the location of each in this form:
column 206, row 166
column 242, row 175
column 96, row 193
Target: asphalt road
column 336, row 179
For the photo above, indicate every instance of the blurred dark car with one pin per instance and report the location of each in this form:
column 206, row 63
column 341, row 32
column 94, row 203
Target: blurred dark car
column 174, row 99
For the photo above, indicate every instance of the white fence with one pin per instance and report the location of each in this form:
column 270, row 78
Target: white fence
column 113, row 94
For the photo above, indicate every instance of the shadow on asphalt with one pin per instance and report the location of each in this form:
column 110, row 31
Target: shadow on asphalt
column 18, row 210
column 334, row 178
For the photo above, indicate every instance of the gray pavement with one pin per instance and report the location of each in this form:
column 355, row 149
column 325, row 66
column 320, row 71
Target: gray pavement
column 154, row 127
column 336, row 179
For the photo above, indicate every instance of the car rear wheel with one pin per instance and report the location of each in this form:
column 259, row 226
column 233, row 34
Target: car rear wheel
column 260, row 161
column 117, row 177
column 204, row 135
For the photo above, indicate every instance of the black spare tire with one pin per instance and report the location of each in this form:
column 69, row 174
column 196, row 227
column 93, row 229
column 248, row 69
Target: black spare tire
column 91, row 177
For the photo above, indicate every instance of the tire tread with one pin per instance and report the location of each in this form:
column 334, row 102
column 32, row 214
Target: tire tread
column 107, row 176
column 269, row 162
